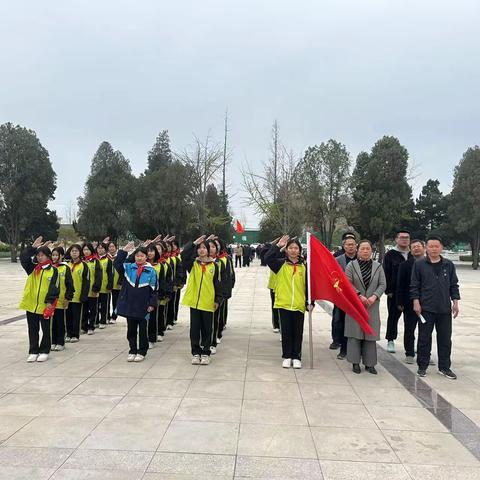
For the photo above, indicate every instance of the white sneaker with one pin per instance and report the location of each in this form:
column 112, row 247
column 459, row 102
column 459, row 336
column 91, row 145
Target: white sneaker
column 213, row 350
column 102, row 326
column 297, row 363
column 32, row 358
column 131, row 357
column 205, row 360
column 68, row 339
column 219, row 340
column 113, row 321
column 169, row 327
column 151, row 345
column 59, row 348
column 53, row 348
column 43, row 357
column 74, row 340
column 139, row 358
column 287, row 363
column 196, row 360
column 90, row 332
column 160, row 338
column 391, row 346
column 276, row 330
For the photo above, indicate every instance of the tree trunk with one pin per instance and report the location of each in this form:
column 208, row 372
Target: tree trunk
column 13, row 252
column 381, row 247
column 475, row 244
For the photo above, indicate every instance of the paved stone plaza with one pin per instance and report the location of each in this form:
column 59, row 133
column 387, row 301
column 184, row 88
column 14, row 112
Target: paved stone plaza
column 88, row 414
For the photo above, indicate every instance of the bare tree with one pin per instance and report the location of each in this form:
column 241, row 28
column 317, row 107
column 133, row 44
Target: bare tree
column 224, row 162
column 274, row 147
column 272, row 192
column 204, row 159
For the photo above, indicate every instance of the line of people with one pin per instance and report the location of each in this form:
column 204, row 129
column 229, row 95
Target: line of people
column 419, row 283
column 74, row 292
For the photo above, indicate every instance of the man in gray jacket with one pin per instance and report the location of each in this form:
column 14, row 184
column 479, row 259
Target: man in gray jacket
column 435, row 294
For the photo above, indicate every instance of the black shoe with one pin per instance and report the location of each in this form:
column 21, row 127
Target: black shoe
column 446, row 372
column 341, row 356
column 334, row 346
column 421, row 372
column 371, row 370
column 356, row 368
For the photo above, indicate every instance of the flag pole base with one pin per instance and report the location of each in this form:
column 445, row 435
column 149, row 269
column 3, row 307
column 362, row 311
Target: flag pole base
column 310, row 337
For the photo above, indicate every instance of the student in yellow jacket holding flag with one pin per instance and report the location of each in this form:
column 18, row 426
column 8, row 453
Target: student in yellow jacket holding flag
column 81, row 286
column 39, row 298
column 65, row 283
column 203, row 295
column 290, row 296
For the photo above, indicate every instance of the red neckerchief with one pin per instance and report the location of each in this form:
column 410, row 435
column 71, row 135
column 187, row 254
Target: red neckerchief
column 39, row 266
column 91, row 257
column 75, row 264
column 175, row 253
column 164, row 257
column 102, row 257
column 223, row 255
column 140, row 268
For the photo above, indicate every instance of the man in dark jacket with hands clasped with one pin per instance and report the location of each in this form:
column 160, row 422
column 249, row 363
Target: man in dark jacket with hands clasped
column 435, row 294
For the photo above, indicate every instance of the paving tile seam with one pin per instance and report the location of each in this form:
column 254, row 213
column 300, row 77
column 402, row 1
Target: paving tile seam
column 101, row 419
column 250, row 324
column 178, row 406
column 401, row 373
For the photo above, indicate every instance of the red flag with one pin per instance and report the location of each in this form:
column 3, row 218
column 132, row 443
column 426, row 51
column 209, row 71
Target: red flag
column 327, row 281
column 239, row 227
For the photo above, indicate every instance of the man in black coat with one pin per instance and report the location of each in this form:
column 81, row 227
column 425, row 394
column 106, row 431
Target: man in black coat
column 402, row 296
column 435, row 294
column 391, row 262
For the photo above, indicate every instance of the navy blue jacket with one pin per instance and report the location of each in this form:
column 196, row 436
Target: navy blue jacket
column 137, row 294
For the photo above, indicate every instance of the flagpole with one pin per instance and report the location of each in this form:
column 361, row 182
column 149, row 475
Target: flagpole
column 309, row 296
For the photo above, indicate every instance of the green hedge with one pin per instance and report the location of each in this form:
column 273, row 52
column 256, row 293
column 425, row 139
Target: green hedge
column 4, row 247
column 466, row 258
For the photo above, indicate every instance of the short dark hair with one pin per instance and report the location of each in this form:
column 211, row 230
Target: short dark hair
column 89, row 246
column 434, row 237
column 59, row 250
column 103, row 245
column 402, row 230
column 417, row 240
column 365, row 241
column 209, row 243
column 296, row 242
column 153, row 248
column 140, row 249
column 71, row 247
column 45, row 250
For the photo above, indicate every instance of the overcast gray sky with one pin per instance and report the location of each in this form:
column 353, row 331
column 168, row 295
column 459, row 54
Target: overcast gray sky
column 79, row 73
